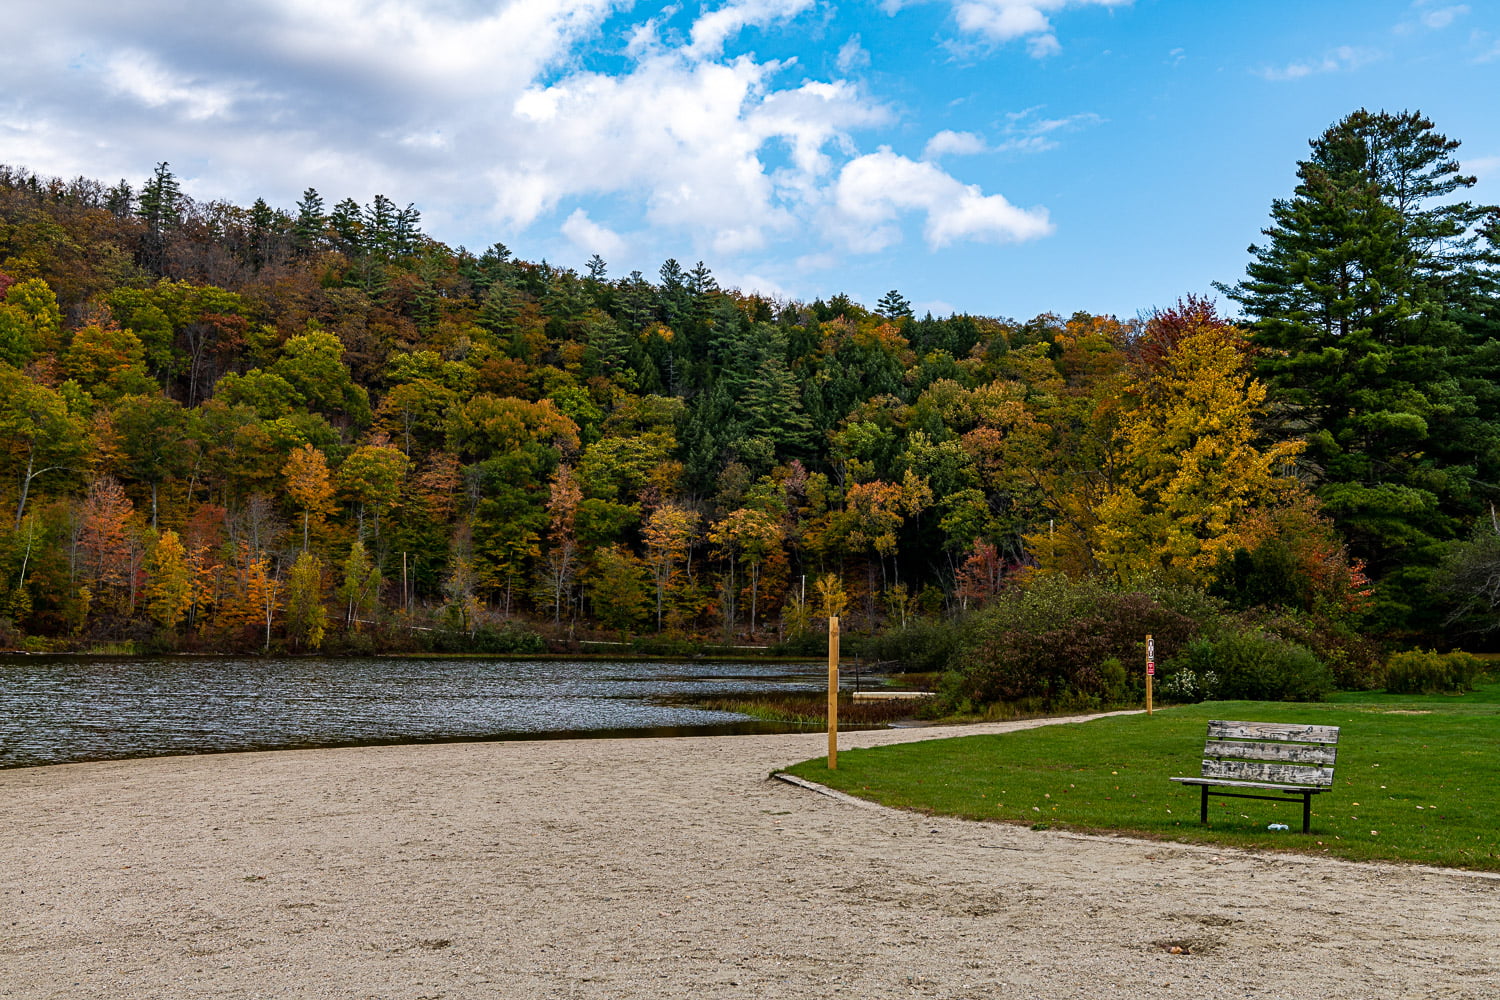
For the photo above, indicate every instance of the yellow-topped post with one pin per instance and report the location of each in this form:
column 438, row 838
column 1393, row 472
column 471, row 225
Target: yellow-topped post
column 833, row 693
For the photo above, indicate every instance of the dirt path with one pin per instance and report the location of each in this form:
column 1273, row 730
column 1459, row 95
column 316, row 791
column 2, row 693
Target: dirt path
column 661, row 868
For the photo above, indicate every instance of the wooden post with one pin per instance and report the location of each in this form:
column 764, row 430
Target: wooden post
column 1150, row 669
column 833, row 694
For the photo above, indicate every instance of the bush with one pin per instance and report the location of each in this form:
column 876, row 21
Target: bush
column 1353, row 659
column 808, row 643
column 1051, row 645
column 510, row 638
column 1252, row 665
column 923, row 646
column 1430, row 672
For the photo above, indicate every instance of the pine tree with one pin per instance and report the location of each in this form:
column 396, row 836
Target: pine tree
column 308, row 231
column 893, row 305
column 160, row 208
column 1359, row 297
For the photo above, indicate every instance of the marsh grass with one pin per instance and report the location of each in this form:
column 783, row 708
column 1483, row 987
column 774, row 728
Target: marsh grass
column 812, row 709
column 1415, row 781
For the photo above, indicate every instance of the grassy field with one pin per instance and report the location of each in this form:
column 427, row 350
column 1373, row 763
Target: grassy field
column 1416, row 778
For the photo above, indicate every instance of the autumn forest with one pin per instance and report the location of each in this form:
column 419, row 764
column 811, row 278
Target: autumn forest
column 242, row 428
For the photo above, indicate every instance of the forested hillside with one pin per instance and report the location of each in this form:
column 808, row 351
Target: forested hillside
column 239, row 427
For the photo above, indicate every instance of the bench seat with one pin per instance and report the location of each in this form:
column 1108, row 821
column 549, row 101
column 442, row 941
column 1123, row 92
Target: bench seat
column 1293, row 760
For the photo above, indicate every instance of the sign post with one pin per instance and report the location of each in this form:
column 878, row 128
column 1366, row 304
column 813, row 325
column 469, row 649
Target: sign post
column 833, row 693
column 1150, row 669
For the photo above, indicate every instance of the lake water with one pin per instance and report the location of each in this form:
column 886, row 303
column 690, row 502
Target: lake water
column 55, row 711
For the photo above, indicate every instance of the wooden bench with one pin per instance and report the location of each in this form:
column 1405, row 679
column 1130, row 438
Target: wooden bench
column 1294, row 760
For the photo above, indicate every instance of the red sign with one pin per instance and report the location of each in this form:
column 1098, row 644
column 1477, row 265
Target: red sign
column 1150, row 669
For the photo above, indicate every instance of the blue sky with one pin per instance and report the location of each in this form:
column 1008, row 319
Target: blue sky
column 996, row 157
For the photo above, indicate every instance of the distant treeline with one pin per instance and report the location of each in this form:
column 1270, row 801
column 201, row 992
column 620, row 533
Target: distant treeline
column 237, row 427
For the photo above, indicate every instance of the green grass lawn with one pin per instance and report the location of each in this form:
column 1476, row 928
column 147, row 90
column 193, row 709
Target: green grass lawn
column 1418, row 778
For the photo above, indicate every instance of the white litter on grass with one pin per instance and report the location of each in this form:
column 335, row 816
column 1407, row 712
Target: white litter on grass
column 1278, row 826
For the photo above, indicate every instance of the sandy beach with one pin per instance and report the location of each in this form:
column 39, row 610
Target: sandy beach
column 663, row 868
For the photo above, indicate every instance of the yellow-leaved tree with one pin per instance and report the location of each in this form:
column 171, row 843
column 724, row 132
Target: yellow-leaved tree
column 1191, row 468
column 169, row 582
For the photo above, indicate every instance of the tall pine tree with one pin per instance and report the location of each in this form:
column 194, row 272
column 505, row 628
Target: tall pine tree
column 1359, row 298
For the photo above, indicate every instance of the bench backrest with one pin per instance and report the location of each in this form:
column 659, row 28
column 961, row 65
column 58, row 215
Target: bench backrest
column 1284, row 754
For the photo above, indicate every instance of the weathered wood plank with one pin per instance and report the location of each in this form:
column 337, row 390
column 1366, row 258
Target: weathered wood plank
column 1226, row 783
column 1219, row 730
column 1286, row 753
column 1282, row 774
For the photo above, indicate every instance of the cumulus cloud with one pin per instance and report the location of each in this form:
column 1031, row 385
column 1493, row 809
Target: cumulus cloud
column 138, row 76
column 873, row 190
column 590, row 237
column 710, row 31
column 1343, row 58
column 852, row 56
column 500, row 118
column 949, row 143
column 1007, row 20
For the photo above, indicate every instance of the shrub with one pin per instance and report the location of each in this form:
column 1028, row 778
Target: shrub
column 1353, row 659
column 1250, row 664
column 1051, row 645
column 923, row 646
column 806, row 643
column 509, row 638
column 1430, row 672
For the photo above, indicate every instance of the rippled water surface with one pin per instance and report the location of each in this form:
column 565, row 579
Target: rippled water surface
column 59, row 711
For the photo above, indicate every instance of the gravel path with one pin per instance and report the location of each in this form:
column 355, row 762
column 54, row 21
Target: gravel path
column 662, row 868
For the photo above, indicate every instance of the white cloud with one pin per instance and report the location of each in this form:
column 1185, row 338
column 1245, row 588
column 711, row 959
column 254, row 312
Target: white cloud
column 948, row 143
column 874, row 190
column 687, row 138
column 138, row 76
column 1434, row 15
column 1337, row 60
column 710, row 31
column 938, row 308
column 590, row 237
column 1007, row 20
column 1027, row 132
column 494, row 115
column 852, row 56
column 1486, row 168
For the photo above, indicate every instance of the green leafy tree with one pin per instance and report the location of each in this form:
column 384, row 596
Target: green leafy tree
column 360, row 591
column 305, row 617
column 313, row 363
column 38, row 433
column 371, row 479
column 616, row 588
column 108, row 362
column 30, row 321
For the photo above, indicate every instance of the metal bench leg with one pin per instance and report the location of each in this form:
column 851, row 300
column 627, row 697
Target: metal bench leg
column 1203, row 809
column 1306, row 811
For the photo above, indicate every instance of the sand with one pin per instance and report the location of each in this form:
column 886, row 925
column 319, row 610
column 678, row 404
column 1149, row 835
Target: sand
column 663, row 868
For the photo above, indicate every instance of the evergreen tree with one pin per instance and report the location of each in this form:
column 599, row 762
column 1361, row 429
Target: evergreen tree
column 308, row 230
column 1358, row 297
column 893, row 305
column 160, row 208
